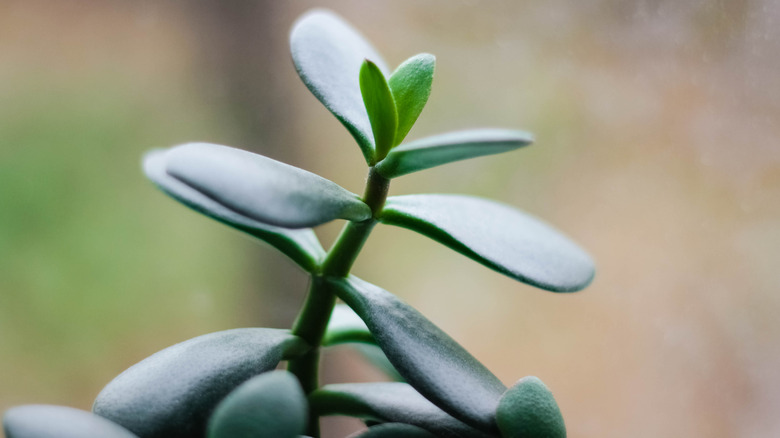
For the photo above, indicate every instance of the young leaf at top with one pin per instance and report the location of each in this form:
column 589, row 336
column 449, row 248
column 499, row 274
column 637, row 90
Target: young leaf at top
column 445, row 148
column 388, row 402
column 497, row 236
column 410, row 84
column 432, row 362
column 328, row 53
column 48, row 421
column 301, row 245
column 528, row 410
column 271, row 405
column 393, row 430
column 262, row 189
column 171, row 393
column 379, row 106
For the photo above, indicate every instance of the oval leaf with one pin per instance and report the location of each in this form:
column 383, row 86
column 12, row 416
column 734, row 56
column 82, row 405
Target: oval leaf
column 437, row 366
column 528, row 410
column 171, row 393
column 380, row 107
column 47, row 421
column 302, row 246
column 328, row 53
column 453, row 146
column 496, row 235
column 393, row 430
column 262, row 189
column 271, row 405
column 388, row 402
column 411, row 84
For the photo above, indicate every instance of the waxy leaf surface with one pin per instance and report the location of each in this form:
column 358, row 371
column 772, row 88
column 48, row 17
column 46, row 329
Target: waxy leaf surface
column 301, row 245
column 388, row 402
column 47, row 421
column 410, row 84
column 528, row 410
column 445, row 148
column 432, row 362
column 171, row 393
column 262, row 189
column 328, row 53
column 496, row 235
column 271, row 405
column 393, row 430
column 346, row 326
column 380, row 107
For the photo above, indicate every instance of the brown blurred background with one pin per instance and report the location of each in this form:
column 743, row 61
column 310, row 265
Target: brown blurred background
column 657, row 126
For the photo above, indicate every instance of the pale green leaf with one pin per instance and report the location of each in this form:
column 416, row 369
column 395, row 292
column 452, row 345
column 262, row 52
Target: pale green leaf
column 262, row 189
column 171, row 393
column 432, row 362
column 410, row 84
column 496, row 235
column 379, row 106
column 301, row 245
column 345, row 326
column 445, row 148
column 528, row 410
column 388, row 402
column 393, row 430
column 271, row 405
column 328, row 53
column 48, row 421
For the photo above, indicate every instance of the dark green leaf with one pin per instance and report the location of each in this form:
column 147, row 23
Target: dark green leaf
column 388, row 402
column 262, row 189
column 328, row 53
column 496, row 235
column 47, row 421
column 380, row 107
column 300, row 245
column 446, row 148
column 528, row 410
column 411, row 86
column 437, row 366
column 393, row 430
column 271, row 405
column 171, row 393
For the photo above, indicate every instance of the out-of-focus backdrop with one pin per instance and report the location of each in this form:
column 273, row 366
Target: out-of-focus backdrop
column 658, row 150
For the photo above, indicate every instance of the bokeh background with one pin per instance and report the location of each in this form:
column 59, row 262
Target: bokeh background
column 657, row 126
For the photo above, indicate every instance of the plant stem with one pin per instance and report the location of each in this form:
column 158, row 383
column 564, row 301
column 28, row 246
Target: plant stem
column 313, row 319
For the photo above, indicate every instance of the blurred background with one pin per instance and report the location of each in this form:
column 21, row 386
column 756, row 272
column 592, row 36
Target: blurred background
column 657, row 126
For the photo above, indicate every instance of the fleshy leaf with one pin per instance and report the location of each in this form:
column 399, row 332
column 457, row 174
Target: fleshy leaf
column 328, row 53
column 48, row 421
column 393, row 430
column 302, row 245
column 345, row 326
column 271, row 405
column 379, row 106
column 388, row 402
column 411, row 86
column 496, row 235
column 262, row 189
column 171, row 393
column 445, row 148
column 528, row 410
column 432, row 362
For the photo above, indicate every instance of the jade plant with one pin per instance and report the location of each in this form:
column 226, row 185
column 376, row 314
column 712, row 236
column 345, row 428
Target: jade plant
column 227, row 385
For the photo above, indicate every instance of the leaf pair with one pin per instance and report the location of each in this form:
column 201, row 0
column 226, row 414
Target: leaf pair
column 348, row 76
column 172, row 393
column 394, row 105
column 263, row 197
column 442, row 371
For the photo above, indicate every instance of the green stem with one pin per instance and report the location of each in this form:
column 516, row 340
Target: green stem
column 315, row 314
